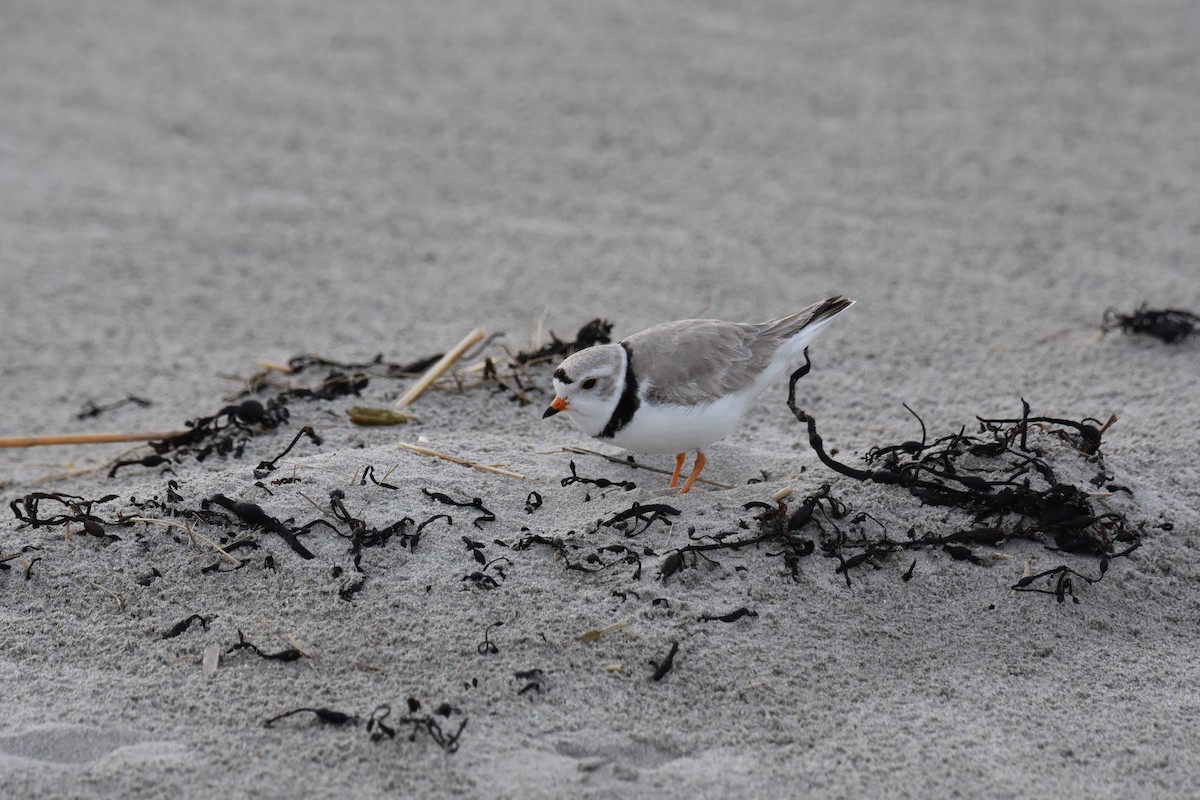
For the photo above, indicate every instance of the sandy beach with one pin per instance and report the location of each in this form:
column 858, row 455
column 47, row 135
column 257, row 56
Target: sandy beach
column 194, row 196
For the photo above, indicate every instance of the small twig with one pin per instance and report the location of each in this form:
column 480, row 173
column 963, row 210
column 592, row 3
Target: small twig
column 295, row 646
column 191, row 533
column 272, row 366
column 120, row 600
column 86, row 438
column 595, row 634
column 320, row 510
column 443, row 364
column 465, row 462
column 350, row 476
column 55, row 477
column 1025, row 573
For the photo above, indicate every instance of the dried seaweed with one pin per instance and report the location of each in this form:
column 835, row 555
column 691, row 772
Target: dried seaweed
column 487, row 647
column 92, row 409
column 532, row 678
column 646, row 514
column 773, row 527
column 264, row 468
column 369, row 473
column 379, row 730
column 595, row 558
column 475, row 503
column 253, row 516
column 325, row 715
column 996, row 476
column 481, row 577
column 361, row 535
column 732, row 616
column 599, row 483
column 1170, row 325
column 661, row 668
column 178, row 628
column 19, row 555
column 376, row 366
column 28, row 509
column 595, row 332
column 290, row 654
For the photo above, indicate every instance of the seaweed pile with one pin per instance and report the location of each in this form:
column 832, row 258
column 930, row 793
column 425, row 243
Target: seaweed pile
column 1006, row 487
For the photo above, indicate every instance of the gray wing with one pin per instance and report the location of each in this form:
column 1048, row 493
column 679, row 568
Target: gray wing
column 696, row 361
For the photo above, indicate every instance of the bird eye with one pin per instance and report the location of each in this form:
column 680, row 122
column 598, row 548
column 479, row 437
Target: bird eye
column 590, row 383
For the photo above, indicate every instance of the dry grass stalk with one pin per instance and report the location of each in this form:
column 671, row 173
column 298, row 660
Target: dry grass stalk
column 443, row 364
column 295, row 646
column 1025, row 573
column 594, row 634
column 188, row 530
column 86, row 438
column 120, row 600
column 272, row 366
column 464, row 461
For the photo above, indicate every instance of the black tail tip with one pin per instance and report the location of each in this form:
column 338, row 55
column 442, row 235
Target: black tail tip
column 834, row 305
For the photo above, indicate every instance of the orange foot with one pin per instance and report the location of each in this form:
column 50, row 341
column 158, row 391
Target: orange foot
column 700, row 462
column 679, row 459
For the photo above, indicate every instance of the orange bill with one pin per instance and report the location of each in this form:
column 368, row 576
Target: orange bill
column 556, row 405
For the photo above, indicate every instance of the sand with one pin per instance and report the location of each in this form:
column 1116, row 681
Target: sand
column 186, row 189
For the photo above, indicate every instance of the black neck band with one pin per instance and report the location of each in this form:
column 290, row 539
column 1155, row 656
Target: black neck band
column 628, row 403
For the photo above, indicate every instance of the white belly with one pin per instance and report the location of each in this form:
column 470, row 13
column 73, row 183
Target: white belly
column 676, row 429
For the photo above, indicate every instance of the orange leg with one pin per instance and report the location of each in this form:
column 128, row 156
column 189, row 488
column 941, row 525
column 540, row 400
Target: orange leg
column 700, row 461
column 679, row 459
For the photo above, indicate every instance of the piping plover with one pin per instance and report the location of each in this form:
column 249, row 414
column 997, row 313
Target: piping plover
column 683, row 385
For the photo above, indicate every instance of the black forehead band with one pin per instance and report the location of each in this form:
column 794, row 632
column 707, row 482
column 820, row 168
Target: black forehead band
column 561, row 375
